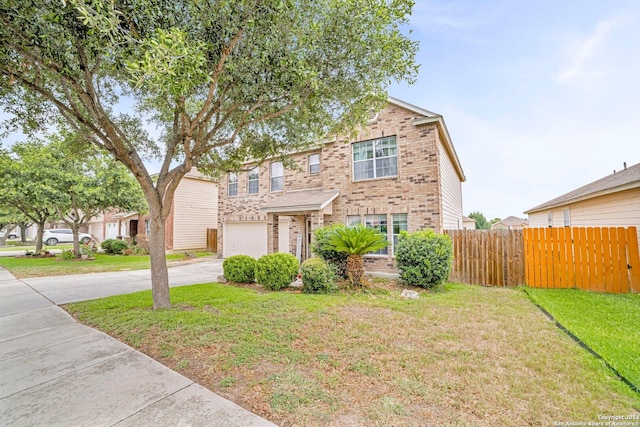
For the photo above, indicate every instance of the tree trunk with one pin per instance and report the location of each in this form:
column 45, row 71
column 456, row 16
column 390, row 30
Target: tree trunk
column 76, row 241
column 159, row 271
column 39, row 236
column 355, row 269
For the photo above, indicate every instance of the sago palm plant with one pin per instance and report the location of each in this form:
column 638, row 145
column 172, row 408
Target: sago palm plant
column 356, row 241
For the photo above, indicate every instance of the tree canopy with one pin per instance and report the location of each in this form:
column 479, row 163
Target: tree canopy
column 63, row 180
column 481, row 221
column 220, row 80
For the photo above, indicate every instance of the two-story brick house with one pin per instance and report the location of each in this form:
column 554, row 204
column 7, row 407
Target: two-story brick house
column 401, row 173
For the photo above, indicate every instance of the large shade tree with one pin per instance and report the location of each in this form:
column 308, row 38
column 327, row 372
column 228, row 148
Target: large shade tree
column 218, row 81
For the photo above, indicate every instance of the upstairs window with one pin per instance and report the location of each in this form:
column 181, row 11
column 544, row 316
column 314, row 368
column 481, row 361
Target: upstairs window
column 277, row 176
column 314, row 163
column 233, row 184
column 375, row 159
column 253, row 182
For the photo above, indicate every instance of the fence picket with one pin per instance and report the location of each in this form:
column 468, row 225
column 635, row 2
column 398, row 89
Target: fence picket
column 633, row 260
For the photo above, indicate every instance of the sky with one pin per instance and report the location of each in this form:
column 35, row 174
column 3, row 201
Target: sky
column 539, row 97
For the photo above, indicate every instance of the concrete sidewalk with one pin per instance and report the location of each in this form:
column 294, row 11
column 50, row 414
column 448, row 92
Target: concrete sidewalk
column 57, row 372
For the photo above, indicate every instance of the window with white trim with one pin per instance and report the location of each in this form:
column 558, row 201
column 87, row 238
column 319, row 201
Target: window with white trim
column 253, row 181
column 314, row 163
column 550, row 219
column 233, row 184
column 353, row 220
column 378, row 223
column 399, row 222
column 277, row 176
column 566, row 216
column 375, row 159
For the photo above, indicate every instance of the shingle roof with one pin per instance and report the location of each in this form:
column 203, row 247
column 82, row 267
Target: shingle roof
column 511, row 221
column 617, row 181
column 298, row 201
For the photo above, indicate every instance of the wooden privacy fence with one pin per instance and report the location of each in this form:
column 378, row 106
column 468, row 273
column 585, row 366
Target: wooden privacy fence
column 487, row 257
column 595, row 259
column 212, row 240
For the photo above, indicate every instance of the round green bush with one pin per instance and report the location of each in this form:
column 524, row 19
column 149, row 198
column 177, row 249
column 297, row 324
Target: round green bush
column 113, row 246
column 321, row 248
column 276, row 271
column 240, row 269
column 424, row 258
column 317, row 277
column 106, row 246
column 68, row 254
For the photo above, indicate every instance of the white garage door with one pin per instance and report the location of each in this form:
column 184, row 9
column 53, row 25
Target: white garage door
column 244, row 238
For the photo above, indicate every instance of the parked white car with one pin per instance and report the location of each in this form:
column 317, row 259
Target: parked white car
column 62, row 235
column 12, row 235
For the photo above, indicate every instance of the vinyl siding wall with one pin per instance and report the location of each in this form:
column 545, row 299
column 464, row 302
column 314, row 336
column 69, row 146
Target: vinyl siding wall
column 620, row 209
column 195, row 210
column 451, row 190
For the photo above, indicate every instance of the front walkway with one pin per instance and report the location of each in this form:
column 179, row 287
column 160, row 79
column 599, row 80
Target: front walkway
column 57, row 372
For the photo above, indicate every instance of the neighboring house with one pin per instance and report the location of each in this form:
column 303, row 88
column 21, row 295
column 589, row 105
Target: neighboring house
column 510, row 223
column 468, row 223
column 612, row 201
column 194, row 210
column 401, row 173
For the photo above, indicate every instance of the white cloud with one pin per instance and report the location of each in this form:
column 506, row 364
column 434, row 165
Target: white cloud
column 580, row 66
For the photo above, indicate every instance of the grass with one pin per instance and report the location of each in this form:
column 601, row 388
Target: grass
column 464, row 355
column 40, row 267
column 608, row 323
column 32, row 247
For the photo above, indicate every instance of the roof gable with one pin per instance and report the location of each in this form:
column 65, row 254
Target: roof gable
column 617, row 181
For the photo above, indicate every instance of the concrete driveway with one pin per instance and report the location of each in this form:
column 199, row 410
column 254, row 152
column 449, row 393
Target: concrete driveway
column 57, row 372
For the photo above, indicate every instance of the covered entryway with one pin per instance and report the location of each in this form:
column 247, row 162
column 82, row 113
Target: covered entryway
column 244, row 238
column 295, row 215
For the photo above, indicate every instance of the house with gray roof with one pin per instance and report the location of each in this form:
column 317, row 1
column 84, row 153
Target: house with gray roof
column 612, row 201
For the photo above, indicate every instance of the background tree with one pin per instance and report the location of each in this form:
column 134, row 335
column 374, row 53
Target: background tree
column 25, row 190
column 223, row 80
column 87, row 182
column 7, row 222
column 481, row 221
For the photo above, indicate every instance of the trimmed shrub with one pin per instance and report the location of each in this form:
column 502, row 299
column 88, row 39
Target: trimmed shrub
column 113, row 246
column 240, row 269
column 68, row 254
column 321, row 248
column 106, row 246
column 317, row 277
column 424, row 258
column 276, row 271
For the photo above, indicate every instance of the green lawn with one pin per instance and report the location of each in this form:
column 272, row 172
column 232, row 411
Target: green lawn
column 30, row 247
column 464, row 355
column 39, row 267
column 608, row 323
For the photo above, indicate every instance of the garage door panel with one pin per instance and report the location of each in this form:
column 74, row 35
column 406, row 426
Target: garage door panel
column 245, row 238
